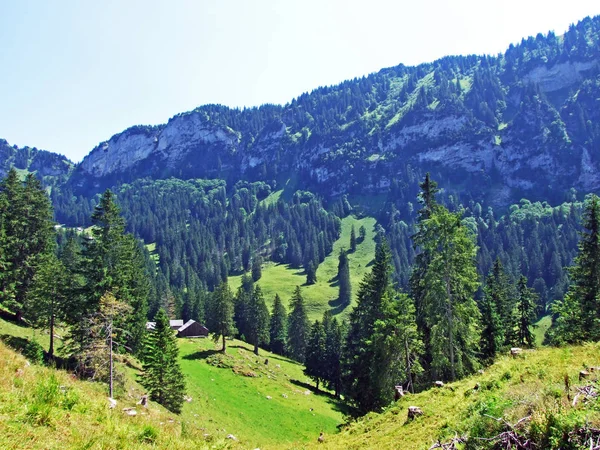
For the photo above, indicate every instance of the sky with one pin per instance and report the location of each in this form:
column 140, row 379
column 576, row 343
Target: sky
column 75, row 72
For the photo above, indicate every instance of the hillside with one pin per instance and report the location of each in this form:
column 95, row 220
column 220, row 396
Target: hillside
column 492, row 128
column 264, row 406
column 532, row 385
column 323, row 295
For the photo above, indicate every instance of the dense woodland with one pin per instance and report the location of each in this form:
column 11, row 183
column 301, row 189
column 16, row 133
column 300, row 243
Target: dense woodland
column 447, row 322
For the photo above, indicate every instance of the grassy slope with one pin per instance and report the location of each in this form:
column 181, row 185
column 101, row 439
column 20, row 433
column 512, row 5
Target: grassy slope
column 512, row 388
column 225, row 401
column 282, row 279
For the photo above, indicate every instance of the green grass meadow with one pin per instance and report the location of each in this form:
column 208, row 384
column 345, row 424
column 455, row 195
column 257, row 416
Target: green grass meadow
column 282, row 279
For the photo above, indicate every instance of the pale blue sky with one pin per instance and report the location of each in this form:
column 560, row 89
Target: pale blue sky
column 75, row 72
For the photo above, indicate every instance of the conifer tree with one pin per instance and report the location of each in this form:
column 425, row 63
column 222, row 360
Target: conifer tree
column 334, row 340
column 578, row 314
column 258, row 320
column 257, row 268
column 278, row 327
column 345, row 288
column 497, row 313
column 429, row 205
column 47, row 300
column 298, row 327
column 362, row 353
column 241, row 306
column 362, row 233
column 311, row 273
column 352, row 239
column 162, row 375
column 315, row 362
column 450, row 278
column 526, row 309
column 221, row 323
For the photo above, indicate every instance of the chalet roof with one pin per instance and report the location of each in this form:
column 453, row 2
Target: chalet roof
column 175, row 324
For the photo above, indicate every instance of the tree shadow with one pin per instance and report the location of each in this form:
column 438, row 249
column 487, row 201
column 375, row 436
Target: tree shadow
column 370, row 263
column 337, row 306
column 14, row 342
column 201, row 354
column 337, row 403
column 271, row 356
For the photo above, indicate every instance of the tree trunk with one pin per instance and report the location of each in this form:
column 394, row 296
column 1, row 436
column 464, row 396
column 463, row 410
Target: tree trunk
column 450, row 327
column 317, row 385
column 256, row 349
column 51, row 348
column 224, row 345
column 408, row 366
column 110, row 383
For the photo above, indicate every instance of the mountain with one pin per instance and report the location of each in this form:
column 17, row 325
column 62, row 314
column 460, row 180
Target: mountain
column 520, row 124
column 51, row 167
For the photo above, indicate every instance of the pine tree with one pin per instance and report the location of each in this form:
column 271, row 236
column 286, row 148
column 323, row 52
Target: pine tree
column 334, row 340
column 345, row 288
column 278, row 327
column 497, row 313
column 422, row 261
column 352, row 239
column 46, row 304
column 28, row 232
column 221, row 314
column 315, row 362
column 450, row 278
column 162, row 375
column 362, row 233
column 258, row 320
column 526, row 308
column 241, row 306
column 362, row 353
column 298, row 327
column 578, row 315
column 257, row 268
column 311, row 273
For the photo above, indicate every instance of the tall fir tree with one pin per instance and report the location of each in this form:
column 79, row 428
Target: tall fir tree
column 258, row 320
column 27, row 233
column 278, row 327
column 345, row 287
column 526, row 313
column 578, row 314
column 370, row 359
column 47, row 301
column 429, row 205
column 298, row 327
column 334, row 340
column 352, row 239
column 497, row 312
column 450, row 278
column 161, row 374
column 315, row 362
column 221, row 323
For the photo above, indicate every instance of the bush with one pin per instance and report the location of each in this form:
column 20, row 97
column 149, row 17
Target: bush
column 148, row 435
column 34, row 352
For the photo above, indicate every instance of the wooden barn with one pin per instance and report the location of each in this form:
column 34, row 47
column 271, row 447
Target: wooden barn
column 192, row 329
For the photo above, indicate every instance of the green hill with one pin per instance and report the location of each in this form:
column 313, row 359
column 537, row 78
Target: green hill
column 262, row 405
column 531, row 386
column 282, row 279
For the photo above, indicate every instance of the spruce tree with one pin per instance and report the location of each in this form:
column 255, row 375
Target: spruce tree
column 497, row 313
column 311, row 273
column 258, row 320
column 526, row 310
column 257, row 268
column 578, row 314
column 362, row 233
column 315, row 362
column 358, row 357
column 423, row 258
column 162, row 375
column 345, row 288
column 221, row 323
column 298, row 327
column 450, row 279
column 47, row 301
column 334, row 340
column 352, row 239
column 278, row 327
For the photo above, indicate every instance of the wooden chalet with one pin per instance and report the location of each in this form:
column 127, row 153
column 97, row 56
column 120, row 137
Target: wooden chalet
column 192, row 329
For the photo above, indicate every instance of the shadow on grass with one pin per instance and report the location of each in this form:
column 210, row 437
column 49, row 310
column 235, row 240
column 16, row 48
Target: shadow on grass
column 337, row 306
column 337, row 403
column 271, row 356
column 201, row 355
column 15, row 342
column 20, row 344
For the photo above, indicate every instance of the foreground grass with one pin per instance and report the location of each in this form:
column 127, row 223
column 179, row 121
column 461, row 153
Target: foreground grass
column 282, row 279
column 263, row 405
column 529, row 386
column 43, row 408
